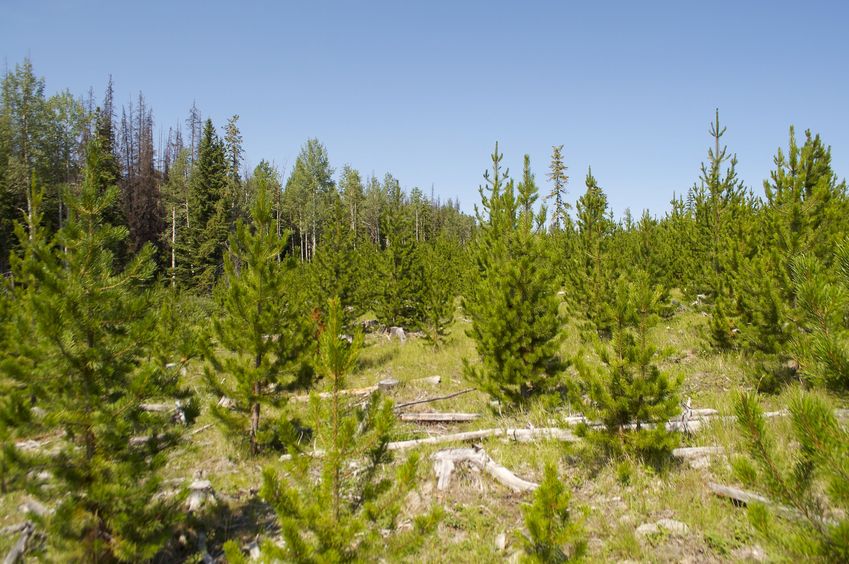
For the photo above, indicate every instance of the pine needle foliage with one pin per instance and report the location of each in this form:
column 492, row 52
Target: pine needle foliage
column 82, row 352
column 262, row 334
column 812, row 479
column 334, row 510
column 629, row 393
column 438, row 260
column 554, row 535
column 511, row 297
column 822, row 296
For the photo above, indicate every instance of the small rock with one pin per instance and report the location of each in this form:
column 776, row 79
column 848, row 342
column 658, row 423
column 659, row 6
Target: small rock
column 226, row 403
column 647, row 529
column 34, row 507
column 673, row 526
column 501, row 542
column 751, row 553
column 397, row 332
column 253, row 550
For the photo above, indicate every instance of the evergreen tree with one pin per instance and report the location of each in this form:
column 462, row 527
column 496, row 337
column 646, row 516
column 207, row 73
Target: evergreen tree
column 819, row 454
column 803, row 213
column 822, row 346
column 263, row 329
column 722, row 211
column 511, row 297
column 592, row 276
column 439, row 267
column 337, row 268
column 340, row 517
column 82, row 348
column 208, row 221
column 553, row 534
column 400, row 287
column 558, row 177
column 630, row 388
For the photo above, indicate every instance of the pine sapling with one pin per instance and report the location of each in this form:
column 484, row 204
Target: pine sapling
column 263, row 330
column 333, row 505
column 553, row 533
column 813, row 482
column 629, row 393
column 83, row 353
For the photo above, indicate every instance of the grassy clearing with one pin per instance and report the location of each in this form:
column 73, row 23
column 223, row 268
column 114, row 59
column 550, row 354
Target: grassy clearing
column 614, row 497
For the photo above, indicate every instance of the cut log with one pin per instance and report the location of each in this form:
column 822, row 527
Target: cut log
column 429, row 400
column 439, row 417
column 742, row 497
column 446, row 460
column 327, row 395
column 16, row 554
column 200, row 493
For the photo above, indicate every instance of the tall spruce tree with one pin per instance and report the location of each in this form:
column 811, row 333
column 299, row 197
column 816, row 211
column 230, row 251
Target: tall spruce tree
column 209, row 210
column 263, row 330
column 511, row 297
column 82, row 351
column 558, row 177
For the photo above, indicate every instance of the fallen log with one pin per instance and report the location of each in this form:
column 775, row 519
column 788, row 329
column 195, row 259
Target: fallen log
column 518, row 435
column 438, row 398
column 446, row 460
column 438, row 417
column 742, row 497
column 16, row 554
column 383, row 386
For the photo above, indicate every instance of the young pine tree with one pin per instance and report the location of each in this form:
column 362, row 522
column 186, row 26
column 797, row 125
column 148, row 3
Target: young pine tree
column 263, row 329
column 400, row 287
column 339, row 517
column 337, row 268
column 438, row 259
column 591, row 275
column 511, row 297
column 813, row 481
column 629, row 388
column 822, row 296
column 81, row 350
column 553, row 533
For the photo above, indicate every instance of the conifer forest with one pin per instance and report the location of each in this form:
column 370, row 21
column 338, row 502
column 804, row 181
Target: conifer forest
column 205, row 361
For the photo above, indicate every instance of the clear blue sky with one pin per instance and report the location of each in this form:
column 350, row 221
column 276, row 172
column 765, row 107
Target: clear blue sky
column 424, row 89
